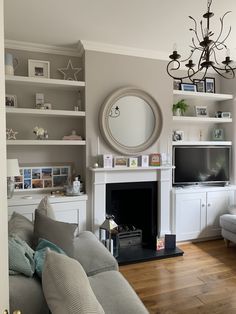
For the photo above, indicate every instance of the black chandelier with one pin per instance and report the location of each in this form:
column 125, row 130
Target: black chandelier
column 203, row 43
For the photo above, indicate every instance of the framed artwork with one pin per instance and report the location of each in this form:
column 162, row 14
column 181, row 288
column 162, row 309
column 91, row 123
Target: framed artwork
column 200, row 85
column 120, row 161
column 176, row 84
column 11, row 101
column 201, row 111
column 178, row 135
column 133, row 162
column 37, row 68
column 218, row 135
column 188, row 87
column 46, row 177
column 210, row 85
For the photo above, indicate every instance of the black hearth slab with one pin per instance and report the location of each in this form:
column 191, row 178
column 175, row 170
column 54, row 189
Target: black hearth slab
column 138, row 254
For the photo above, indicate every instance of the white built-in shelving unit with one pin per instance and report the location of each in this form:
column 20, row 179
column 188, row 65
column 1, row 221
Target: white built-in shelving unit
column 201, row 119
column 44, row 113
column 203, row 96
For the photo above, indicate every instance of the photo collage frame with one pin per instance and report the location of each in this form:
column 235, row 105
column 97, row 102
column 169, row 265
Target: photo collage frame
column 47, row 177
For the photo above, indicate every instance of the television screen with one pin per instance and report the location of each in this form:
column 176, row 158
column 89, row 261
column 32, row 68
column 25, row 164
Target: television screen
column 201, row 164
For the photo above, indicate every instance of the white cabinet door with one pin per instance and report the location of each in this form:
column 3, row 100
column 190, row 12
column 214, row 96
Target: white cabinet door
column 190, row 215
column 217, row 204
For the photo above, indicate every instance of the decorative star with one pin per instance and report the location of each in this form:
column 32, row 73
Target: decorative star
column 11, row 135
column 70, row 72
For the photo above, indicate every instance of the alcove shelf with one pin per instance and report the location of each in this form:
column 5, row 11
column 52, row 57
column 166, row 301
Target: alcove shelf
column 44, row 82
column 214, row 143
column 44, row 112
column 201, row 119
column 46, row 142
column 203, row 96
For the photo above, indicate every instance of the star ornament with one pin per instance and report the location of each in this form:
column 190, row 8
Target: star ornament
column 70, row 72
column 11, row 135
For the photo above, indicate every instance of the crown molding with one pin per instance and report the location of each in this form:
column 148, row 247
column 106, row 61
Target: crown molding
column 22, row 45
column 123, row 50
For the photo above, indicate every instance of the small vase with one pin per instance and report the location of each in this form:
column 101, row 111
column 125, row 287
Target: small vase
column 178, row 112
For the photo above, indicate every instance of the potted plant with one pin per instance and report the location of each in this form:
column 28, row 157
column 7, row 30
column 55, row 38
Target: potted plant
column 180, row 107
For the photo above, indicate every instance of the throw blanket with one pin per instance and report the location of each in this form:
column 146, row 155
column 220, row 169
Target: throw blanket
column 21, row 257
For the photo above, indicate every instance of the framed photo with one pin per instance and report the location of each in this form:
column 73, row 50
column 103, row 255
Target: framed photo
column 188, row 87
column 176, row 84
column 120, row 162
column 133, row 162
column 200, row 85
column 218, row 135
column 37, row 68
column 11, row 101
column 210, row 85
column 178, row 135
column 201, row 111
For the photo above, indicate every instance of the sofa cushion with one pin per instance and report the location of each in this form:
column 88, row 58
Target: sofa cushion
column 228, row 222
column 120, row 298
column 57, row 232
column 40, row 254
column 92, row 254
column 21, row 257
column 27, row 295
column 66, row 286
column 45, row 208
column 23, row 227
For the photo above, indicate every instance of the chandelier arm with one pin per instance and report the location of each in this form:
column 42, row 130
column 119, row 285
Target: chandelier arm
column 227, row 70
column 214, row 55
column 218, row 45
column 168, row 69
column 222, row 26
column 222, row 41
column 202, row 29
column 195, row 26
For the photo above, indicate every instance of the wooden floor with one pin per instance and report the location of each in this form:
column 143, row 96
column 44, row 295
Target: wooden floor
column 201, row 281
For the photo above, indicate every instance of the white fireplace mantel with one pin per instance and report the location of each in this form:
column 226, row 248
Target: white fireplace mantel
column 102, row 176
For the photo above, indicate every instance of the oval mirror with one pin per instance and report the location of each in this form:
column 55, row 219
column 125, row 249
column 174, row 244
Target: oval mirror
column 130, row 120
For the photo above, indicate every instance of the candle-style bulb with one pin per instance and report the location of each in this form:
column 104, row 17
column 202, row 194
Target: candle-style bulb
column 227, row 52
column 175, row 47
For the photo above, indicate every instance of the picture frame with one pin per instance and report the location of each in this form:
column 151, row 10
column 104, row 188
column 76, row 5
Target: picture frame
column 178, row 135
column 200, row 85
column 133, row 162
column 177, row 84
column 188, row 87
column 218, row 134
column 120, row 161
column 11, row 101
column 210, row 85
column 38, row 68
column 46, row 177
column 201, row 111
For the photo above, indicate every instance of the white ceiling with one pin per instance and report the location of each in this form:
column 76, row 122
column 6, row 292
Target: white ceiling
column 143, row 24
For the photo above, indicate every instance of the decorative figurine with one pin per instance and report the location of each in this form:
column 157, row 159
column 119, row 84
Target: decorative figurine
column 11, row 135
column 70, row 72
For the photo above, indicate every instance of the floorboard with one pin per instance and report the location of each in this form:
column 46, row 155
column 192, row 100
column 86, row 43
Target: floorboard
column 203, row 281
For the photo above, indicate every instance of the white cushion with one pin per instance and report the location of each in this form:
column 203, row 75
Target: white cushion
column 45, row 208
column 66, row 286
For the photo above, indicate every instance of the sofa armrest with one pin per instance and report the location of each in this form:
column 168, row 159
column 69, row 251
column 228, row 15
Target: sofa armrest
column 92, row 254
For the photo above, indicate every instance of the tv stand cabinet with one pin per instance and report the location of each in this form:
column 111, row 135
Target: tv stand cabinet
column 196, row 211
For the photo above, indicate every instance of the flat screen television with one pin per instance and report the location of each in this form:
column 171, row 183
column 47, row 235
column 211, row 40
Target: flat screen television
column 201, row 165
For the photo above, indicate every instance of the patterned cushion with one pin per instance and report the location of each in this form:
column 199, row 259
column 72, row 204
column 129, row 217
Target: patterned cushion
column 21, row 257
column 66, row 286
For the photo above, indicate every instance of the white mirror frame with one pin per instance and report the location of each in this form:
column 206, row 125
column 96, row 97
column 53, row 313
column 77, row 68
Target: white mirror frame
column 104, row 116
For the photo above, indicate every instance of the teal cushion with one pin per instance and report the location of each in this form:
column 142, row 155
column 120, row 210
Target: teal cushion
column 21, row 257
column 40, row 254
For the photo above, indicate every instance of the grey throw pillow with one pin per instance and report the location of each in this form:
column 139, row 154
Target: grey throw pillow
column 57, row 232
column 23, row 227
column 66, row 286
column 45, row 208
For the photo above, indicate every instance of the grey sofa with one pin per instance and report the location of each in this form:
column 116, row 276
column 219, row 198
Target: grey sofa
column 228, row 225
column 110, row 288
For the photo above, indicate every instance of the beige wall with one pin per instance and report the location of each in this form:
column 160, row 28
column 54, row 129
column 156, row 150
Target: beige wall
column 104, row 73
